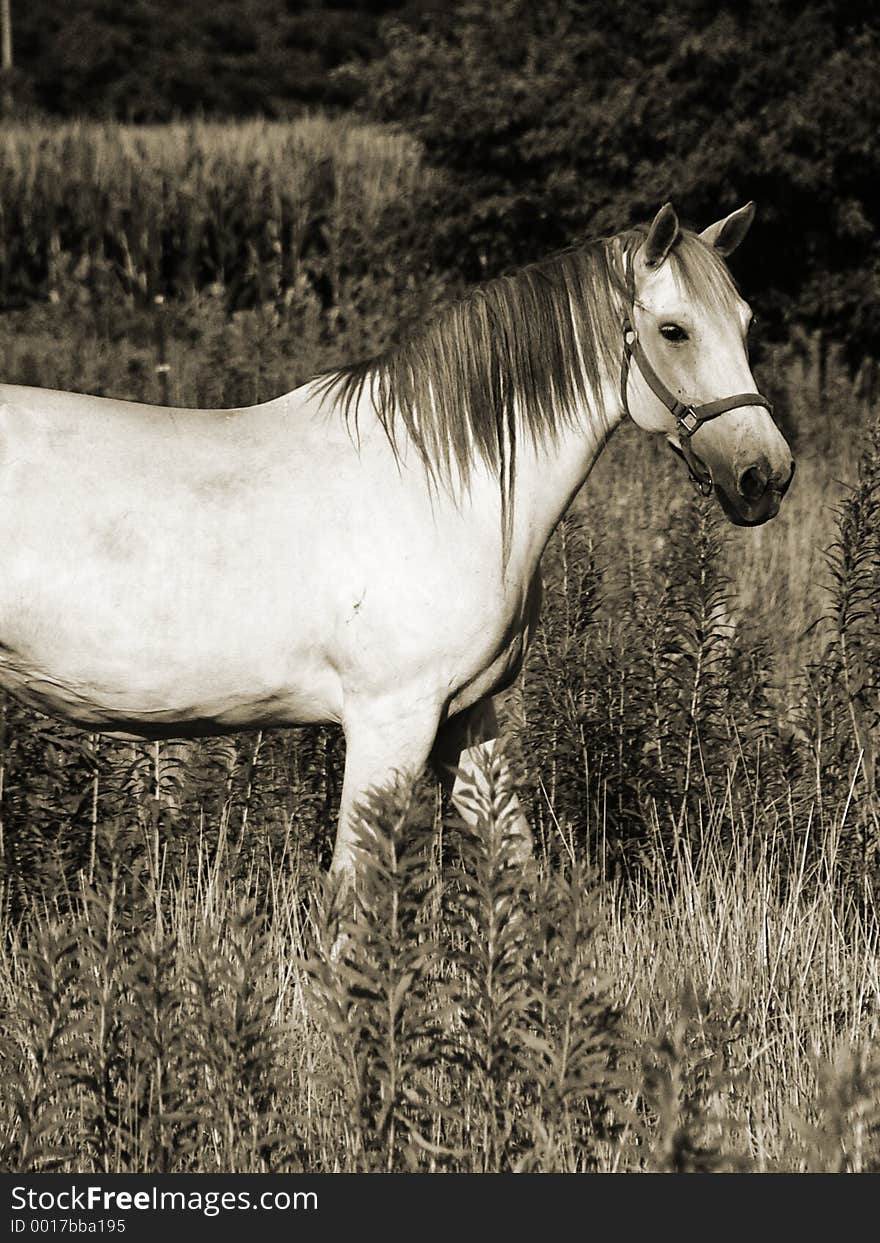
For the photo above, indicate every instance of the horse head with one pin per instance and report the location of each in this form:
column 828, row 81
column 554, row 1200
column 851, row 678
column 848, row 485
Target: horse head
column 686, row 369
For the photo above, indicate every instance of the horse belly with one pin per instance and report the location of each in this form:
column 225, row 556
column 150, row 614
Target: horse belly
column 140, row 679
column 134, row 620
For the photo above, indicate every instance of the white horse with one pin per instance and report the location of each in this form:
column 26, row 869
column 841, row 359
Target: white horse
column 365, row 549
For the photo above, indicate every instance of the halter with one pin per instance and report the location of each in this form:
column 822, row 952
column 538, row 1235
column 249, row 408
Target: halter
column 689, row 418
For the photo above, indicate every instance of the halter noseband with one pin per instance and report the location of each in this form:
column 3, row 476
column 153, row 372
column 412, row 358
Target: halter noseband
column 689, row 419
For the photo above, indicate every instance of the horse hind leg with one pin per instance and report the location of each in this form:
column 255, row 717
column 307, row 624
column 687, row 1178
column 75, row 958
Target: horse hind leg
column 384, row 742
column 464, row 749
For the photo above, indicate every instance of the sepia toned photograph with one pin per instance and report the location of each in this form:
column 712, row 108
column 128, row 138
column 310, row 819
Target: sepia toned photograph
column 439, row 593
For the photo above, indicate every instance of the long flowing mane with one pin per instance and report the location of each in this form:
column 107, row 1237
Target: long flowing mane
column 522, row 353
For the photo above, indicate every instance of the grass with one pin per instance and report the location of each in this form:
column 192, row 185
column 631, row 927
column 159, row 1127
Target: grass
column 721, row 1015
column 784, row 967
column 687, row 979
column 258, row 212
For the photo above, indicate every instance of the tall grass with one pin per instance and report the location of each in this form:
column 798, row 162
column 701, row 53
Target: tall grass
column 260, row 209
column 719, row 1013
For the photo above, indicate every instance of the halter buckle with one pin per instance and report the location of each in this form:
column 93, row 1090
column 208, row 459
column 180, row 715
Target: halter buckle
column 689, row 421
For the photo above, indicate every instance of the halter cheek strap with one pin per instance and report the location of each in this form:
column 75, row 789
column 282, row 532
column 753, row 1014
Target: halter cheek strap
column 689, row 418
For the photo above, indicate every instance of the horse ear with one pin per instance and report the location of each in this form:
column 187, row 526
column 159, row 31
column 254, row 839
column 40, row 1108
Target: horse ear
column 661, row 236
column 725, row 235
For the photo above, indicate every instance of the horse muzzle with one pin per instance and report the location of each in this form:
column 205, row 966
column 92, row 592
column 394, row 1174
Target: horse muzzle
column 756, row 493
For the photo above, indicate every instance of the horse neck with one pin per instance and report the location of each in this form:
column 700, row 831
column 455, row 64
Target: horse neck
column 550, row 473
column 561, row 466
column 550, row 470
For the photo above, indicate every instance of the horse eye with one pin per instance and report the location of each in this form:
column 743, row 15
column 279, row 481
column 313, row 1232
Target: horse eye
column 673, row 332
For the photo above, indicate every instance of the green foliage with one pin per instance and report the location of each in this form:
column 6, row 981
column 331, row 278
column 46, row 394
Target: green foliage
column 840, row 713
column 573, row 1037
column 469, row 1024
column 259, row 214
column 451, row 1020
column 489, row 911
column 374, row 989
column 39, row 1049
column 641, row 696
column 573, row 117
column 547, row 121
column 68, row 799
column 153, row 60
column 128, row 1050
column 845, row 1138
column 234, row 1042
column 685, row 1087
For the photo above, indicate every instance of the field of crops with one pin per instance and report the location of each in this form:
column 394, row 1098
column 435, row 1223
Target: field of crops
column 687, row 980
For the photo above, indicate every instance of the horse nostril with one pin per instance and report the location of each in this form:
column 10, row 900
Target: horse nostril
column 753, row 483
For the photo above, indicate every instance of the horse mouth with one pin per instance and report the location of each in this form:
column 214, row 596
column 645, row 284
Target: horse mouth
column 743, row 514
column 739, row 511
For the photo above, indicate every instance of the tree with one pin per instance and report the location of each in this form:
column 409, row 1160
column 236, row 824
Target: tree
column 577, row 116
column 151, row 60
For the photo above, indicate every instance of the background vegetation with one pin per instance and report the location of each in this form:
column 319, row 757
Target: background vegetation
column 547, row 121
column 687, row 979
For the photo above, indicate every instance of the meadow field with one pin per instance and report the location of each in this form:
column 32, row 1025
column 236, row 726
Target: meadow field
column 688, row 977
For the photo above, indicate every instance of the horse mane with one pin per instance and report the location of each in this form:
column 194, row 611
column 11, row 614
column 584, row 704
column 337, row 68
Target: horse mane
column 521, row 353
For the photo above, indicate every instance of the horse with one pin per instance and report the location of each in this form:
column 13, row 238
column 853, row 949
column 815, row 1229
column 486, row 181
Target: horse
column 365, row 549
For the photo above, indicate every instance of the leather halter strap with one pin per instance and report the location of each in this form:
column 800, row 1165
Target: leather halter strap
column 689, row 418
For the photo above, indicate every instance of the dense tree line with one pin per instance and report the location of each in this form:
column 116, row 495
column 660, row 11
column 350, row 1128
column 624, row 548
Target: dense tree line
column 549, row 120
column 581, row 115
column 152, row 60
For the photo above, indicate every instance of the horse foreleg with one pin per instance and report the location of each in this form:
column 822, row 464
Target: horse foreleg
column 460, row 757
column 384, row 742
